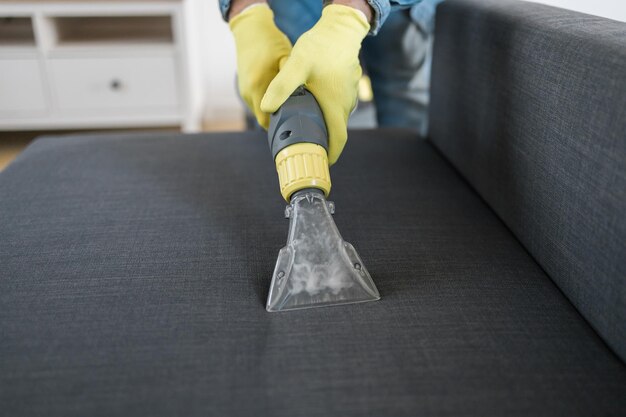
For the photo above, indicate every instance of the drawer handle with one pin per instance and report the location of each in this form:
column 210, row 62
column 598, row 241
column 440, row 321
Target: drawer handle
column 115, row 85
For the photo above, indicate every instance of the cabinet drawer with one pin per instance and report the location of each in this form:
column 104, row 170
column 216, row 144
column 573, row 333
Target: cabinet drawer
column 114, row 83
column 21, row 87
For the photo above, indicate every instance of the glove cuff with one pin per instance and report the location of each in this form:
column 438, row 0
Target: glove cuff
column 253, row 14
column 348, row 17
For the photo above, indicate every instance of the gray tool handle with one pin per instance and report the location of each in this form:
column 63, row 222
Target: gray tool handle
column 299, row 119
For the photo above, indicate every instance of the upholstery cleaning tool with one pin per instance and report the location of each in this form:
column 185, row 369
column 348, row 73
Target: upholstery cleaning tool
column 317, row 267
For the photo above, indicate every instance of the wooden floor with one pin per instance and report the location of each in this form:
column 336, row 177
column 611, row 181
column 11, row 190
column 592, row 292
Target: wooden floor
column 12, row 143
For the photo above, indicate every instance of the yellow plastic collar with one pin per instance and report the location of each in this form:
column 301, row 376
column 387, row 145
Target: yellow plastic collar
column 302, row 165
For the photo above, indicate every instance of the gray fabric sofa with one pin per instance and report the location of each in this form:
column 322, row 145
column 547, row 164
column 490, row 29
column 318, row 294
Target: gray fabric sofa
column 134, row 267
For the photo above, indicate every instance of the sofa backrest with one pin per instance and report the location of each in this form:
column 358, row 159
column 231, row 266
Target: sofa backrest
column 528, row 102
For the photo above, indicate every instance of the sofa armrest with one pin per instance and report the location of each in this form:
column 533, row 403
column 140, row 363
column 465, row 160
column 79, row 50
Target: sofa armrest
column 529, row 104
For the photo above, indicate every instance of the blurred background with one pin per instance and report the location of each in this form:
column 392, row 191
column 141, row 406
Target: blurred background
column 80, row 65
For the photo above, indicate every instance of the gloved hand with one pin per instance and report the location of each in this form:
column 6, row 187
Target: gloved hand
column 326, row 61
column 261, row 47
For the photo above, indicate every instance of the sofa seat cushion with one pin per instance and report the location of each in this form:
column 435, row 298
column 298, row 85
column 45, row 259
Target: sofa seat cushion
column 134, row 270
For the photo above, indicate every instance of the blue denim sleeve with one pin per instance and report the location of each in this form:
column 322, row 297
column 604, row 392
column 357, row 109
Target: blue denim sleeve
column 422, row 14
column 224, row 8
column 382, row 8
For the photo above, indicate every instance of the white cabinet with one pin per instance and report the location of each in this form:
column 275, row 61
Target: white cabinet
column 124, row 84
column 21, row 88
column 93, row 64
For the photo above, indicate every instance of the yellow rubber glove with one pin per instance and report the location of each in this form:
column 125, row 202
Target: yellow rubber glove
column 326, row 61
column 261, row 47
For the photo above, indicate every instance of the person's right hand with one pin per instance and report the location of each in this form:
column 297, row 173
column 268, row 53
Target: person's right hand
column 261, row 47
column 325, row 60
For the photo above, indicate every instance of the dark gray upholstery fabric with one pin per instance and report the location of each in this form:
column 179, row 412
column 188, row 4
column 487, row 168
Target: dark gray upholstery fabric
column 134, row 272
column 529, row 104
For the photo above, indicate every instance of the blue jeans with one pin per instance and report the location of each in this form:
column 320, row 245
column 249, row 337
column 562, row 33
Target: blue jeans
column 398, row 63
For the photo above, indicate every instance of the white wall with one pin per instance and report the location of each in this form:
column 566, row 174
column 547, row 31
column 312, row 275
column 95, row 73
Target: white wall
column 612, row 9
column 222, row 102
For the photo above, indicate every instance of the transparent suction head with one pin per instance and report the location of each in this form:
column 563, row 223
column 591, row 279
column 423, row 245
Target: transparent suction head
column 317, row 267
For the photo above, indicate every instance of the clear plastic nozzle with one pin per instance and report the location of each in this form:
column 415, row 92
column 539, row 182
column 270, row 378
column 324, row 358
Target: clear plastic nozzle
column 317, row 267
